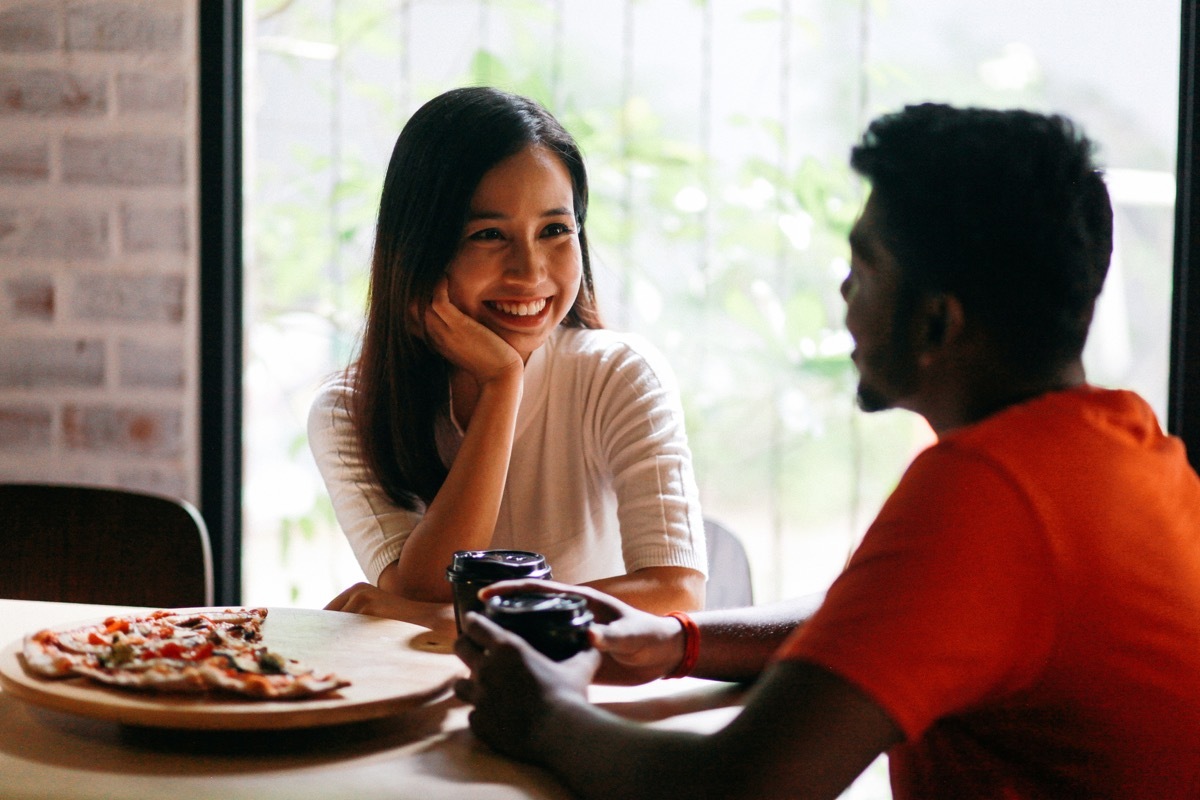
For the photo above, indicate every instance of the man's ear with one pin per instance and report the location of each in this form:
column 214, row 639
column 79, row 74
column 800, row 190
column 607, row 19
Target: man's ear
column 943, row 320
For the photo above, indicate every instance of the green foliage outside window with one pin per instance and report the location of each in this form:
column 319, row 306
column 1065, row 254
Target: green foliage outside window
column 726, row 253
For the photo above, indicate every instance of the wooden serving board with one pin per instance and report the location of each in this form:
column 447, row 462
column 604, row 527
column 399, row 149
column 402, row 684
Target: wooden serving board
column 391, row 666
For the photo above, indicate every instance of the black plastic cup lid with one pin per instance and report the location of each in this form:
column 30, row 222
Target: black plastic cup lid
column 496, row 565
column 550, row 606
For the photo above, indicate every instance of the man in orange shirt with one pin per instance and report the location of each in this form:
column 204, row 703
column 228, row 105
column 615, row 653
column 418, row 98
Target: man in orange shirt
column 1022, row 619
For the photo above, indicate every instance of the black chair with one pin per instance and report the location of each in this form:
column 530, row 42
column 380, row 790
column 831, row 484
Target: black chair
column 729, row 583
column 82, row 544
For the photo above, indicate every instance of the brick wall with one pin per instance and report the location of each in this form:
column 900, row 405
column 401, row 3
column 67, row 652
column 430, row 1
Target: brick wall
column 98, row 252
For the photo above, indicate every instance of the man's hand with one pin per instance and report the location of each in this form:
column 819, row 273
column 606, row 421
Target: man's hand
column 637, row 647
column 514, row 688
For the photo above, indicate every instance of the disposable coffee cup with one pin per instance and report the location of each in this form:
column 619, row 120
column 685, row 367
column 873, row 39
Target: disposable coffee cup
column 555, row 623
column 471, row 570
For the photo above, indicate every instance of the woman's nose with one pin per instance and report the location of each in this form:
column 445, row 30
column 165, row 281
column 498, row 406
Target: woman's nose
column 527, row 261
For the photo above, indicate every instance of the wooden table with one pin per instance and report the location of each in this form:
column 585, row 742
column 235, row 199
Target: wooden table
column 424, row 752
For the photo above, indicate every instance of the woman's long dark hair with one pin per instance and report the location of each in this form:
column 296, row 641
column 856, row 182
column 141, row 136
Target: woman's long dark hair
column 399, row 383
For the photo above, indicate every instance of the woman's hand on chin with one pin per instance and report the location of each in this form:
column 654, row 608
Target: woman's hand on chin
column 467, row 344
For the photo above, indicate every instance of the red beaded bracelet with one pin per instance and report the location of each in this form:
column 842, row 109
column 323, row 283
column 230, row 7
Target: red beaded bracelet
column 691, row 646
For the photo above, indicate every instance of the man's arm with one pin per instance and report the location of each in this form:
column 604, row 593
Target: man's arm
column 735, row 644
column 804, row 732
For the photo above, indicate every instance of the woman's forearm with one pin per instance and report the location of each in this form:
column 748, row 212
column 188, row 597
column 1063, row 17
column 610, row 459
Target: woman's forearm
column 463, row 514
column 657, row 589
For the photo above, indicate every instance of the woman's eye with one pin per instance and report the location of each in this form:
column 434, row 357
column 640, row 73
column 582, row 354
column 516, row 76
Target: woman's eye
column 557, row 229
column 485, row 235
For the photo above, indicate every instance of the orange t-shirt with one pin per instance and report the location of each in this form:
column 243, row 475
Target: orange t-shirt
column 1026, row 608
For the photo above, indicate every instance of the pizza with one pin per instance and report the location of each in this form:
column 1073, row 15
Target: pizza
column 177, row 651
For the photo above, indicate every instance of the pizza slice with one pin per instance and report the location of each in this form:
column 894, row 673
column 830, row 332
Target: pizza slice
column 177, row 651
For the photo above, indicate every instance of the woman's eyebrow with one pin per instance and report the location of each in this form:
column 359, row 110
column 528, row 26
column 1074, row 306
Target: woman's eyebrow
column 483, row 213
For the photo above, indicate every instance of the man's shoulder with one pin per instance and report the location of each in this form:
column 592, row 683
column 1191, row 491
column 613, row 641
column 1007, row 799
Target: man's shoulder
column 1042, row 445
column 1087, row 410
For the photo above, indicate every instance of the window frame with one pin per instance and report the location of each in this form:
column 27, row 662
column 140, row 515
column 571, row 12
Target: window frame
column 220, row 330
column 1183, row 404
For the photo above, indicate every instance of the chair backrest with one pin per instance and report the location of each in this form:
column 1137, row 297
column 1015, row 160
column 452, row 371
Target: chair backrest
column 729, row 583
column 83, row 544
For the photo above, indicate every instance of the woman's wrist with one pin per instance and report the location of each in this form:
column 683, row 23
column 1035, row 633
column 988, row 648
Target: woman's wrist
column 509, row 377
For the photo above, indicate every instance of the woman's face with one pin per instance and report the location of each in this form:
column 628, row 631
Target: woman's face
column 518, row 266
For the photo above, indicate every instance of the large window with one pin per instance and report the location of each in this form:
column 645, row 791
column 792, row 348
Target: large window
column 716, row 134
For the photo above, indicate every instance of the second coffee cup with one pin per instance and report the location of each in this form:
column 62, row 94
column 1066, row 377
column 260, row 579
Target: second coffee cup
column 471, row 570
column 555, row 623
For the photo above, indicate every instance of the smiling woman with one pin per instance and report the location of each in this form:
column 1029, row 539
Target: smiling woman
column 486, row 409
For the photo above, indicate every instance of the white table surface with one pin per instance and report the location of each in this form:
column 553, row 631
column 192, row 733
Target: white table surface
column 426, row 753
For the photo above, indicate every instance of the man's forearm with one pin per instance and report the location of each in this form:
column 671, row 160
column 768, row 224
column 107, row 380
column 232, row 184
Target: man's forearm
column 736, row 644
column 599, row 755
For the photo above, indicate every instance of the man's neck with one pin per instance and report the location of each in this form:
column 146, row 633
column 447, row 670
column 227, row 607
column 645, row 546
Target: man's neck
column 978, row 398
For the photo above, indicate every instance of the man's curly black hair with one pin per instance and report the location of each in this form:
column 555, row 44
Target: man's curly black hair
column 1004, row 209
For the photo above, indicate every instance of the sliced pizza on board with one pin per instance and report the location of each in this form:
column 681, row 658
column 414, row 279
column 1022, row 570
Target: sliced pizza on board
column 177, row 651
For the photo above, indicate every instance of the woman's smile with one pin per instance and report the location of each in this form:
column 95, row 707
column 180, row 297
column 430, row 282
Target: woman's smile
column 518, row 308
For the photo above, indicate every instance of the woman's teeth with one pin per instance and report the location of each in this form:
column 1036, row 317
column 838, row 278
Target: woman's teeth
column 520, row 309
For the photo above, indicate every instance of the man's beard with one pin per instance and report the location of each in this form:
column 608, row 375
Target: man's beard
column 891, row 371
column 890, row 374
column 870, row 400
